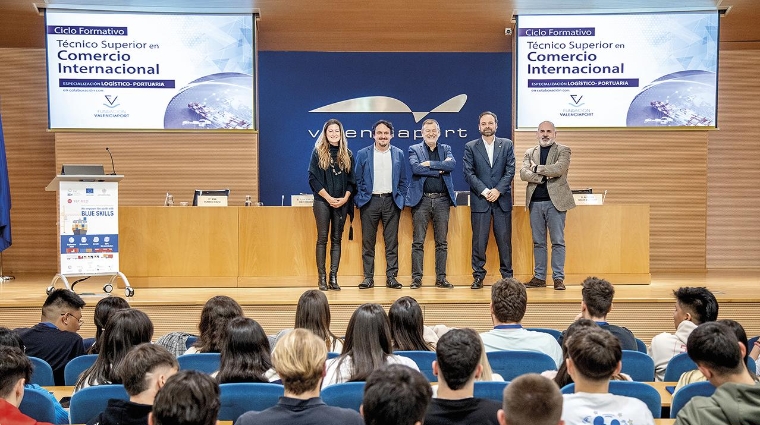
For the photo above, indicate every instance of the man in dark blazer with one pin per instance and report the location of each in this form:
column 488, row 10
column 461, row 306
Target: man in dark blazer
column 489, row 167
column 381, row 185
column 431, row 195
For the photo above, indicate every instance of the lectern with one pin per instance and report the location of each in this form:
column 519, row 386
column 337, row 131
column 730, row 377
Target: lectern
column 88, row 228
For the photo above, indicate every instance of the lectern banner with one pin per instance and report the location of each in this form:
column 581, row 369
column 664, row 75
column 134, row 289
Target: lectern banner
column 89, row 227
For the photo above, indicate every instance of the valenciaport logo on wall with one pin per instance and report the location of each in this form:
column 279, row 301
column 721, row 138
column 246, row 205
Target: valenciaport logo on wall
column 299, row 91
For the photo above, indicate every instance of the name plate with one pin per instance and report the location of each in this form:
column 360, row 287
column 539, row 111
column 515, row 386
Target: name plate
column 588, row 199
column 302, row 200
column 212, row 201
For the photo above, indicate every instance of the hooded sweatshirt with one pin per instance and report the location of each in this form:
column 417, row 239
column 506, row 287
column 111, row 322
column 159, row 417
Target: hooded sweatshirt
column 122, row 412
column 731, row 404
column 665, row 346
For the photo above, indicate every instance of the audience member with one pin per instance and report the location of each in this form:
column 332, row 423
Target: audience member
column 407, row 328
column 15, row 371
column 55, row 338
column 313, row 313
column 367, row 347
column 214, row 318
column 144, row 371
column 8, row 338
column 755, row 354
column 124, row 330
column 594, row 357
column 299, row 359
column 531, row 399
column 103, row 310
column 395, row 395
column 720, row 357
column 245, row 353
column 457, row 366
column 596, row 304
column 509, row 301
column 694, row 306
column 188, row 398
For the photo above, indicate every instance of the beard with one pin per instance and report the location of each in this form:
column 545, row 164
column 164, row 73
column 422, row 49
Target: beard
column 545, row 142
column 487, row 132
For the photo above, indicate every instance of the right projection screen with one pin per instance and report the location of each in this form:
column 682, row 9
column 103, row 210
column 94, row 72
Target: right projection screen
column 618, row 70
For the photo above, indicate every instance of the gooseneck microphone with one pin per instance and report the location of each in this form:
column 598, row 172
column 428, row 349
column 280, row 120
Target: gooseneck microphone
column 112, row 166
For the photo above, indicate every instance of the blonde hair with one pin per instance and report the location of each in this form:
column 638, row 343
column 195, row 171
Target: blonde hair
column 487, row 373
column 323, row 148
column 299, row 359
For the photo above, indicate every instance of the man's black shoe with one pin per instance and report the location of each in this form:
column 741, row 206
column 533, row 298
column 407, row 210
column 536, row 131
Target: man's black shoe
column 443, row 284
column 477, row 283
column 367, row 283
column 416, row 283
column 392, row 283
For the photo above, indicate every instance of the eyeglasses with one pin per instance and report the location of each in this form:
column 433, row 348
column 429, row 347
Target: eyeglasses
column 79, row 319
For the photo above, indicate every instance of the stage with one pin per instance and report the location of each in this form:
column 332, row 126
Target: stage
column 645, row 309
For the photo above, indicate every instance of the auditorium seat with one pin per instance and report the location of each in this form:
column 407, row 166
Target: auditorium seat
column 89, row 402
column 347, row 395
column 679, row 364
column 424, row 360
column 238, row 398
column 43, row 373
column 202, row 362
column 684, row 395
column 639, row 366
column 511, row 364
column 37, row 405
column 76, row 366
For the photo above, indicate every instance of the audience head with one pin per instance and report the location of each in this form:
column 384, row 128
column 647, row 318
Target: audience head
column 145, row 369
column 368, row 340
column 407, row 327
column 508, row 300
column 695, row 304
column 63, row 308
column 458, row 357
column 531, row 399
column 563, row 378
column 594, row 354
column 597, row 297
column 741, row 334
column 188, row 398
column 103, row 310
column 8, row 338
column 245, row 352
column 214, row 317
column 717, row 352
column 299, row 359
column 313, row 313
column 15, row 371
column 395, row 395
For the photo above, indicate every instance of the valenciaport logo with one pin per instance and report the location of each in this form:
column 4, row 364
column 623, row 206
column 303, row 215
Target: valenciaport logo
column 576, row 101
column 381, row 104
column 111, row 101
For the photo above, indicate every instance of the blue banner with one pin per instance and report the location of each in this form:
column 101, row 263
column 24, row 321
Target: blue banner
column 5, row 196
column 299, row 91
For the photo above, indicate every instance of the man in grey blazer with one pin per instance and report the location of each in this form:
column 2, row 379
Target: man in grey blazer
column 548, row 198
column 489, row 167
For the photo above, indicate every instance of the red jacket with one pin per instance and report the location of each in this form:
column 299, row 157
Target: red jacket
column 10, row 415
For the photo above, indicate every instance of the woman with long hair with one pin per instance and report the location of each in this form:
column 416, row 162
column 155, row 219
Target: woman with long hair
column 367, row 347
column 331, row 177
column 103, row 310
column 407, row 327
column 245, row 353
column 124, row 329
column 313, row 313
column 217, row 312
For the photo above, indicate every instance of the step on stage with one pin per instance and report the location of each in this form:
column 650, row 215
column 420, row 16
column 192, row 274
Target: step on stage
column 645, row 309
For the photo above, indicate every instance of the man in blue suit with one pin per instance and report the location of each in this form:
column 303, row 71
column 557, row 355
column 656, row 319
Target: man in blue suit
column 430, row 195
column 489, row 167
column 381, row 185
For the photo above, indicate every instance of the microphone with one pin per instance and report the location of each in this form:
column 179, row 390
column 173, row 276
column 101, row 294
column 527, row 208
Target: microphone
column 112, row 166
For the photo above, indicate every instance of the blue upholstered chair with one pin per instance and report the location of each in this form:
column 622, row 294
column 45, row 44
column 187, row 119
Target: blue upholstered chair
column 641, row 346
column 239, row 398
column 332, row 355
column 43, row 373
column 89, row 402
column 644, row 392
column 511, row 364
column 679, row 364
column 684, row 395
column 38, row 405
column 492, row 390
column 76, row 366
column 202, row 362
column 639, row 366
column 424, row 360
column 553, row 332
column 347, row 395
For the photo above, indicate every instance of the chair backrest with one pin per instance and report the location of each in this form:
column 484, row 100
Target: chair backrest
column 751, row 365
column 493, row 390
column 553, row 332
column 679, row 364
column 641, row 346
column 190, row 341
column 347, row 395
column 684, row 395
column 43, row 373
column 239, row 398
column 202, row 362
column 424, row 360
column 644, row 392
column 38, row 405
column 89, row 402
column 752, row 342
column 76, row 366
column 511, row 364
column 639, row 366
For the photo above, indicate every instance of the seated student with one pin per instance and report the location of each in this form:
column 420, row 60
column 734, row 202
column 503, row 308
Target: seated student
column 694, row 306
column 395, row 395
column 313, row 313
column 8, row 338
column 299, row 359
column 596, row 304
column 188, row 398
column 55, row 338
column 407, row 327
column 15, row 371
column 509, row 300
column 594, row 356
column 367, row 347
column 531, row 399
column 144, row 371
column 215, row 315
column 457, row 366
column 245, row 353
column 103, row 310
column 720, row 357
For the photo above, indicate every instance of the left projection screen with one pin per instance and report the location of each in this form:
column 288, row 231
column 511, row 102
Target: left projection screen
column 147, row 71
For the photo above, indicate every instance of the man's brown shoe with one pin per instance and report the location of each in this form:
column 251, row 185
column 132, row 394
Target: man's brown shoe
column 536, row 283
column 559, row 285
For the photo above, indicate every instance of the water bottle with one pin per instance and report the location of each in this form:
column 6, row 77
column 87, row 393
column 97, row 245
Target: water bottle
column 169, row 201
column 248, row 201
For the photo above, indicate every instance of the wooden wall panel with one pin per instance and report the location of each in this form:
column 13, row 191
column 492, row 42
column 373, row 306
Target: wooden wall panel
column 665, row 169
column 733, row 213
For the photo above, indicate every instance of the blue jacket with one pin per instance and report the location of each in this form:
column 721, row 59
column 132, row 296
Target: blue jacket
column 480, row 175
column 365, row 167
column 420, row 153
